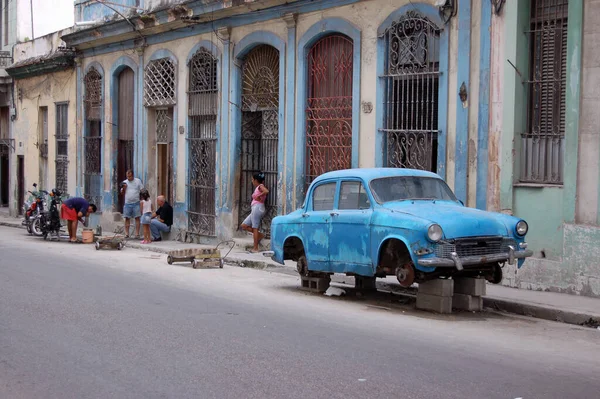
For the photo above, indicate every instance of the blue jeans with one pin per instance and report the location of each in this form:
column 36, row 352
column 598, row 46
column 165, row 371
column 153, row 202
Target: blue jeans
column 156, row 227
column 131, row 210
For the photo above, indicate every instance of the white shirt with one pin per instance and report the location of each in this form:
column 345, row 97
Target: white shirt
column 147, row 206
column 132, row 193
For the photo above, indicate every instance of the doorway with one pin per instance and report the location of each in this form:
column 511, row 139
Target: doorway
column 124, row 142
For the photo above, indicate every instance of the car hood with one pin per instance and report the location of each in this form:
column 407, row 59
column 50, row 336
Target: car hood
column 455, row 220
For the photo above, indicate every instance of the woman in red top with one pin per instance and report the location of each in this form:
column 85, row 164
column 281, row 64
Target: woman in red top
column 252, row 222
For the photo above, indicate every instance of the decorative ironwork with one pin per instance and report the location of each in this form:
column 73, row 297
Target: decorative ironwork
column 542, row 147
column 411, row 79
column 159, row 83
column 260, row 128
column 202, row 143
column 162, row 126
column 6, row 59
column 329, row 106
column 62, row 147
column 93, row 151
column 93, row 95
column 62, row 173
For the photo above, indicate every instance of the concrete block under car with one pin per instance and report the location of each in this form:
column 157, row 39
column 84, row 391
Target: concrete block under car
column 467, row 302
column 434, row 303
column 470, row 286
column 439, row 287
column 315, row 284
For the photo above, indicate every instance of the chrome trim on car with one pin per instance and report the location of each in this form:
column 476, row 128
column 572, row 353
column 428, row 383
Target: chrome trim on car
column 459, row 262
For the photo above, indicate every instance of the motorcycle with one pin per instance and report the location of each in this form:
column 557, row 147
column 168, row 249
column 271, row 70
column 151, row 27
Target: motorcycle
column 50, row 219
column 32, row 210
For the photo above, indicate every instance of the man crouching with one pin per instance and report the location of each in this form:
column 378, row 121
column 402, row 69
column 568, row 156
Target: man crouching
column 73, row 210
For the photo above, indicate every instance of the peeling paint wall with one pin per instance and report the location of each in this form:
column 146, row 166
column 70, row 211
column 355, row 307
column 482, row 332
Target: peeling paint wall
column 566, row 256
column 44, row 91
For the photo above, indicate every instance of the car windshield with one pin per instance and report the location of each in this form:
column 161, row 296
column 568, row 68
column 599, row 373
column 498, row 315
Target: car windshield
column 400, row 188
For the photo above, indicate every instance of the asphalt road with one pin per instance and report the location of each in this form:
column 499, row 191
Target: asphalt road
column 80, row 323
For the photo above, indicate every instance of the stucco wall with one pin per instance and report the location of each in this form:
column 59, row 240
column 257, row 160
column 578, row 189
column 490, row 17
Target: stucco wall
column 588, row 175
column 38, row 92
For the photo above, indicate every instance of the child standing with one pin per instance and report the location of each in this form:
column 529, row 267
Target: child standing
column 252, row 222
column 146, row 210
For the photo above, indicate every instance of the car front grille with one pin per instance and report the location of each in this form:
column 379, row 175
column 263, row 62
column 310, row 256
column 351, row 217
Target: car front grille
column 474, row 246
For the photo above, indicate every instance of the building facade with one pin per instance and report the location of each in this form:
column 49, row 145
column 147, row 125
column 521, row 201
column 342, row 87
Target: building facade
column 21, row 21
column 197, row 96
column 544, row 142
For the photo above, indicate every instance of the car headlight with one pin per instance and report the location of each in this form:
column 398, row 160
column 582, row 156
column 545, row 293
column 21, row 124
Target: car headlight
column 434, row 233
column 522, row 228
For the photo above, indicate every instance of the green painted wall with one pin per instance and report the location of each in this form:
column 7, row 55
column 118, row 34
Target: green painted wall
column 514, row 117
column 542, row 208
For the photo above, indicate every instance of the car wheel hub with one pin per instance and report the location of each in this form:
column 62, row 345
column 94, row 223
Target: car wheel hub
column 405, row 275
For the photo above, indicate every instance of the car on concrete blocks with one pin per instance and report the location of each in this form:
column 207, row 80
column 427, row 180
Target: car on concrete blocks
column 387, row 221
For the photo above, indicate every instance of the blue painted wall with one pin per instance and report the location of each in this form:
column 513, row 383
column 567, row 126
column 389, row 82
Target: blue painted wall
column 461, row 156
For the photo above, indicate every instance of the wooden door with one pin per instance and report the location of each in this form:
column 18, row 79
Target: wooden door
column 125, row 137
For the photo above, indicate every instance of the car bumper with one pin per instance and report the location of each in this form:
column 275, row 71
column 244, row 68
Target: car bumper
column 459, row 262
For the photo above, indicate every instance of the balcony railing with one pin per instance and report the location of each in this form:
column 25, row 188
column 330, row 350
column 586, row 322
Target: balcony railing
column 5, row 59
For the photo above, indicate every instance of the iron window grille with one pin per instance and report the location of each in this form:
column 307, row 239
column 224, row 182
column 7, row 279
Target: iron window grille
column 93, row 138
column 411, row 78
column 202, row 140
column 159, row 83
column 62, row 147
column 93, row 94
column 542, row 146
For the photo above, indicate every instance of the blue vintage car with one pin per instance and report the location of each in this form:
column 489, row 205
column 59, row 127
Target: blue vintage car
column 388, row 221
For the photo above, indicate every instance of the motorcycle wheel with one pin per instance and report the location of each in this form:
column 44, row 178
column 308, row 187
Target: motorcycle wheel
column 36, row 227
column 29, row 228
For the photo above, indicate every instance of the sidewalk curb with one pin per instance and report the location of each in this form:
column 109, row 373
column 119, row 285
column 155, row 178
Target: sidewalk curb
column 9, row 224
column 541, row 312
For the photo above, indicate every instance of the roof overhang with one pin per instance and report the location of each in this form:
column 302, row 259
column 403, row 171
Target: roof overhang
column 59, row 60
column 180, row 16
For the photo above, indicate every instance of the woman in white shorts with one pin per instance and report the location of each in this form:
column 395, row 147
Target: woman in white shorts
column 252, row 222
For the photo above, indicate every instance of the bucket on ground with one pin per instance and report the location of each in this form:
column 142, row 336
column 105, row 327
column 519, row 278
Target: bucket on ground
column 87, row 236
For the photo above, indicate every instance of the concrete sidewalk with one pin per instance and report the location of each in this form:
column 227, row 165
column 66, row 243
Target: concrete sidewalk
column 565, row 308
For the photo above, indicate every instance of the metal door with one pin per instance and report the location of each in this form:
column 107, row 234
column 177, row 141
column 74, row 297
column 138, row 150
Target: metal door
column 124, row 143
column 93, row 138
column 329, row 106
column 411, row 95
column 260, row 128
column 202, row 142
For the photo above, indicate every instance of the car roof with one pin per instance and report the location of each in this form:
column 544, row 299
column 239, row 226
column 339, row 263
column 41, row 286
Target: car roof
column 369, row 174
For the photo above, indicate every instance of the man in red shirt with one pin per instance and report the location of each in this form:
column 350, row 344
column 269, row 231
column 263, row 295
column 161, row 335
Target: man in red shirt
column 73, row 210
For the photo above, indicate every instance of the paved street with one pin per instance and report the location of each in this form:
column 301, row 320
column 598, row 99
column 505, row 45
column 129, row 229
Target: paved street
column 81, row 323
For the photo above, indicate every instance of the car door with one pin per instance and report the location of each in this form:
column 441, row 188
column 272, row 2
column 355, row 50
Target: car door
column 350, row 237
column 316, row 227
